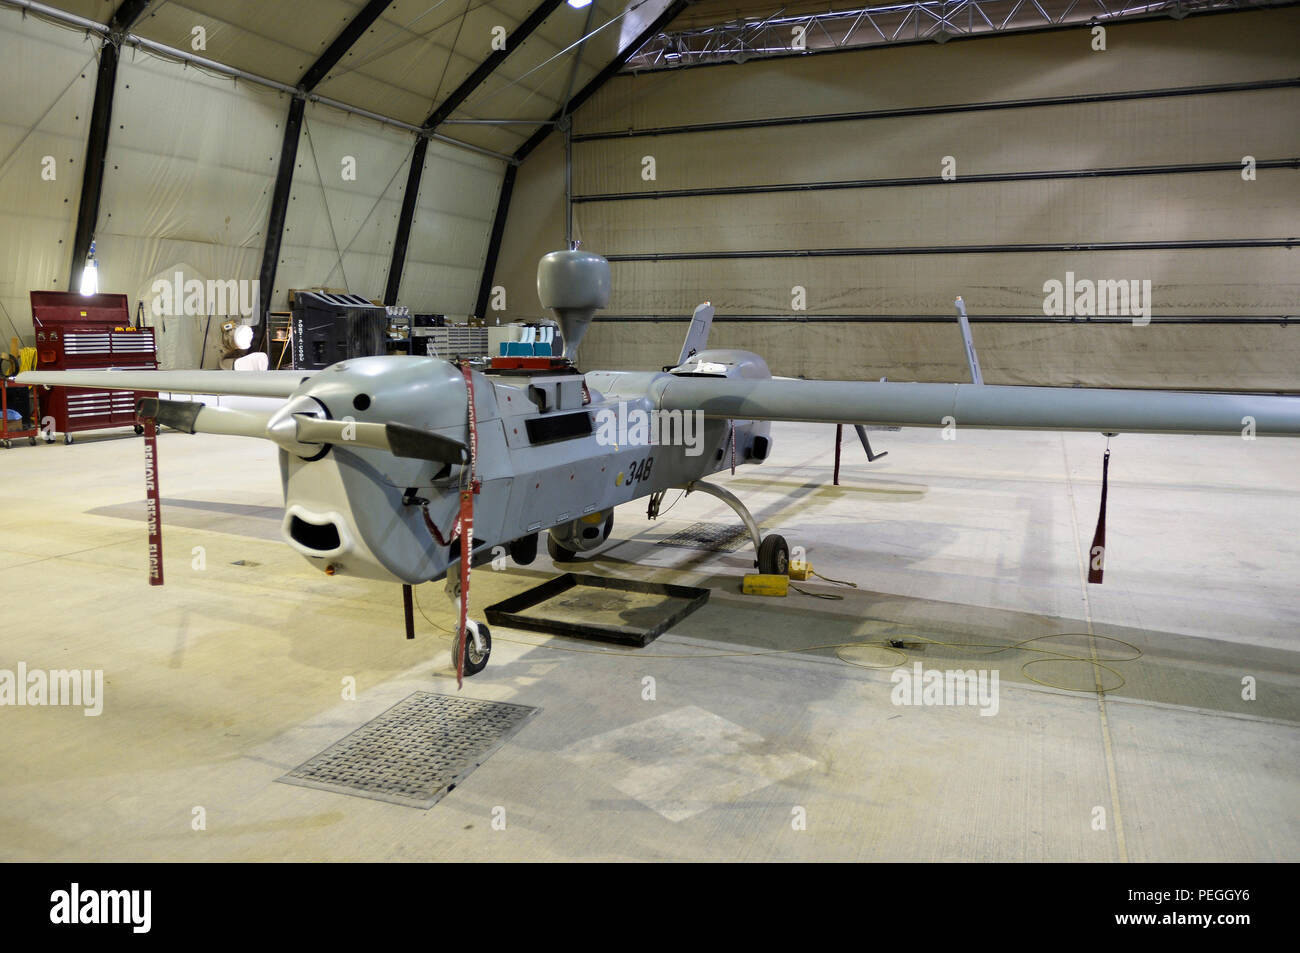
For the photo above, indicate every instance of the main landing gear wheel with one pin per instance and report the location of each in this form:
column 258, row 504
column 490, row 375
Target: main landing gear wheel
column 524, row 549
column 67, row 438
column 560, row 554
column 138, row 428
column 774, row 556
column 475, row 660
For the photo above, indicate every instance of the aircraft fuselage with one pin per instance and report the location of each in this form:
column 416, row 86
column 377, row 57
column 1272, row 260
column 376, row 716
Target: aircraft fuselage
column 551, row 454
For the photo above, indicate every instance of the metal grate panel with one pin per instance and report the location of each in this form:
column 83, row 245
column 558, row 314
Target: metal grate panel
column 416, row 752
column 710, row 537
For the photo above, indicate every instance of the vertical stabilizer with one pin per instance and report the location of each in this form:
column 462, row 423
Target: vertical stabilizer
column 698, row 334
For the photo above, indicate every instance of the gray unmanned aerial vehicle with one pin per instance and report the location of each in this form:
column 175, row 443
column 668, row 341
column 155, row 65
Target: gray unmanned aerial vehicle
column 392, row 466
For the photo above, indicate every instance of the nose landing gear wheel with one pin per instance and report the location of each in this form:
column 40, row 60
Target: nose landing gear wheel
column 774, row 556
column 475, row 660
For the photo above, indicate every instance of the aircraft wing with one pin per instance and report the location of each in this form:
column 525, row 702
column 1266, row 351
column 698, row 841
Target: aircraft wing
column 231, row 383
column 984, row 406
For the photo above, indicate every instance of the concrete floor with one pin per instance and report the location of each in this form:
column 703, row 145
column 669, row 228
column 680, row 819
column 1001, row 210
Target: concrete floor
column 231, row 675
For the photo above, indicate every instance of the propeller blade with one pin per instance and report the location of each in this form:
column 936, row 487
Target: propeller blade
column 398, row 439
column 192, row 416
column 407, row 441
column 340, row 432
column 295, row 431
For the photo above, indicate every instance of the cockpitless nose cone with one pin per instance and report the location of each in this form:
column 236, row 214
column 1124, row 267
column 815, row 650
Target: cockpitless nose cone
column 573, row 284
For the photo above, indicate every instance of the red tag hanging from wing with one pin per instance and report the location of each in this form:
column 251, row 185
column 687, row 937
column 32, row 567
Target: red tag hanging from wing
column 153, row 506
column 1097, row 554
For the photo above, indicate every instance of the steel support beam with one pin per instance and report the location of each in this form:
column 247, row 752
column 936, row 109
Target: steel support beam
column 186, row 56
column 601, row 78
column 902, row 22
column 494, row 59
column 887, row 250
column 403, row 237
column 342, row 43
column 101, row 121
column 1027, row 320
column 943, row 109
column 280, row 193
column 436, row 118
column 976, row 178
column 279, row 206
column 494, row 242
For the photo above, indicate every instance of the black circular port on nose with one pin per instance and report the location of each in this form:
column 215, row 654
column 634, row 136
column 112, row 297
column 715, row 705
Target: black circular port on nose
column 361, row 401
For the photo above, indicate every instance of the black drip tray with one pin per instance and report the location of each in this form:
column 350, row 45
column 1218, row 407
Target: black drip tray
column 600, row 608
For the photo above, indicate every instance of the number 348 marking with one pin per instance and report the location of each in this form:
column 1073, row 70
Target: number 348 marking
column 639, row 471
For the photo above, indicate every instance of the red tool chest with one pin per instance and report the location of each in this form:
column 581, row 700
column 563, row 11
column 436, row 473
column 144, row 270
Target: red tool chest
column 89, row 332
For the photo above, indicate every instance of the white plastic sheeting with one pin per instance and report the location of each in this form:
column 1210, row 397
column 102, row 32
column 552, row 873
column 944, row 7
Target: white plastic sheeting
column 48, row 75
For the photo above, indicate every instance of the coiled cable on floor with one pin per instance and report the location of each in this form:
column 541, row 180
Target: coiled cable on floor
column 824, row 595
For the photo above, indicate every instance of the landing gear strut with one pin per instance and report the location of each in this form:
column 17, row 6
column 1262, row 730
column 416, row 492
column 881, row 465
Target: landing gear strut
column 478, row 644
column 772, row 552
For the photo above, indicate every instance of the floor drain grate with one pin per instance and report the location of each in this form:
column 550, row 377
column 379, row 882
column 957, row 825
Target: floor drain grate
column 416, row 752
column 710, row 537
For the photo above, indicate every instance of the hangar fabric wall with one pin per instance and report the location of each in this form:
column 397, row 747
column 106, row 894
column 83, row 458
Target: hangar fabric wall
column 348, row 186
column 734, row 208
column 449, row 234
column 190, row 170
column 187, row 184
column 347, row 193
column 50, row 76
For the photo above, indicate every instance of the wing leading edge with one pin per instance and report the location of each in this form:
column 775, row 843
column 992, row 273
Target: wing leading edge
column 231, row 383
column 984, row 406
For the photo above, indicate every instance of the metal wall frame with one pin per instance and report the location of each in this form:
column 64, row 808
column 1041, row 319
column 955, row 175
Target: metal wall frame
column 1029, row 248
column 289, row 146
column 1280, row 320
column 903, row 22
column 439, row 115
column 946, row 109
column 986, row 177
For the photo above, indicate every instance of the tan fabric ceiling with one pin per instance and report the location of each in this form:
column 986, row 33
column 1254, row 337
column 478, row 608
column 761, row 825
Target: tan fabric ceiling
column 100, row 10
column 276, row 40
column 412, row 57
